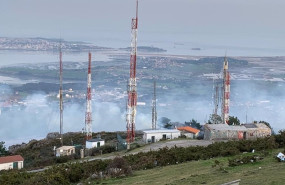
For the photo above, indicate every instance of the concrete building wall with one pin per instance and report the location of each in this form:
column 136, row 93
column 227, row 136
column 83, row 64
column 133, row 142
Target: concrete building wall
column 207, row 134
column 94, row 144
column 63, row 152
column 224, row 132
column 188, row 135
column 147, row 137
column 7, row 166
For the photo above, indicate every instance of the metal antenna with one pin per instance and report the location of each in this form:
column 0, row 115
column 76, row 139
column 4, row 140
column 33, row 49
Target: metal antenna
column 132, row 90
column 60, row 94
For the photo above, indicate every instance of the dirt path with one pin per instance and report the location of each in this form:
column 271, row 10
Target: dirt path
column 170, row 144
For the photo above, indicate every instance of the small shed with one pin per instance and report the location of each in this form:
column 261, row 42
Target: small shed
column 189, row 132
column 95, row 143
column 11, row 162
column 151, row 136
column 65, row 150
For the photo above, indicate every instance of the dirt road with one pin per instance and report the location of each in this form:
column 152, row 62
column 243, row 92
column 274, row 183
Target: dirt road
column 170, row 144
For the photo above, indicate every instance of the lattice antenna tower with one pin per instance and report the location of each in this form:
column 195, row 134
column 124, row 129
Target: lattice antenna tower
column 226, row 92
column 88, row 114
column 132, row 87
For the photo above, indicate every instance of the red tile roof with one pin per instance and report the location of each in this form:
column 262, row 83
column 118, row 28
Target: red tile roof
column 189, row 129
column 9, row 159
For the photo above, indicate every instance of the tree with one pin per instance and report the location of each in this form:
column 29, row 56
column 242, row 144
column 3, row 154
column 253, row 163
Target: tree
column 3, row 150
column 266, row 123
column 215, row 119
column 233, row 120
column 168, row 125
column 165, row 122
column 193, row 123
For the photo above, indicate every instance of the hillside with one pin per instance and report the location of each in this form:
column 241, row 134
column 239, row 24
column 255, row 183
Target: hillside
column 202, row 172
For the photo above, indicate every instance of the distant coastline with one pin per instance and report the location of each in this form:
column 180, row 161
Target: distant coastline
column 51, row 44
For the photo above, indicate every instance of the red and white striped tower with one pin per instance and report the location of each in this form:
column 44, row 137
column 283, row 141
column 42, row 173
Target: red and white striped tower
column 88, row 114
column 132, row 86
column 226, row 92
column 60, row 95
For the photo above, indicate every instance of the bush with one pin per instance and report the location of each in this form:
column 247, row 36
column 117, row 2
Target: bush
column 104, row 149
column 244, row 160
column 119, row 167
column 63, row 159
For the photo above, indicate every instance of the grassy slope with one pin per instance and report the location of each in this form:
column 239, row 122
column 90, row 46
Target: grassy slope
column 202, row 172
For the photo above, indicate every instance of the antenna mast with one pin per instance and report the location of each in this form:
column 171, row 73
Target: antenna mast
column 60, row 94
column 226, row 92
column 216, row 98
column 132, row 87
column 88, row 114
column 154, row 113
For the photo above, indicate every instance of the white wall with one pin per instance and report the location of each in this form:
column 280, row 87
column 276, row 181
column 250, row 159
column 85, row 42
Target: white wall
column 94, row 144
column 159, row 136
column 188, row 135
column 7, row 166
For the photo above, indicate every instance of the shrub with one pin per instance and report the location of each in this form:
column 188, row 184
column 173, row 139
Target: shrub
column 244, row 160
column 104, row 149
column 62, row 159
column 119, row 167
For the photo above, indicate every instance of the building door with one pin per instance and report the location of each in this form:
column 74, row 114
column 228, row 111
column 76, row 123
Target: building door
column 152, row 139
column 164, row 136
column 244, row 135
column 98, row 144
column 15, row 165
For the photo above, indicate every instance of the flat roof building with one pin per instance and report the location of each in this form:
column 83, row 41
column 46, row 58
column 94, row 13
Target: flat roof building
column 151, row 136
column 95, row 143
column 65, row 150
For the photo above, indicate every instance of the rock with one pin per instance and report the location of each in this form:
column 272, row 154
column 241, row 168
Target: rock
column 52, row 135
column 94, row 176
column 15, row 148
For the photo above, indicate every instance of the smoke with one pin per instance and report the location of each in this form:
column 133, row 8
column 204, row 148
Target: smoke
column 39, row 116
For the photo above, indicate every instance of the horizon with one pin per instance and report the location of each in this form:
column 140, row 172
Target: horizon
column 221, row 24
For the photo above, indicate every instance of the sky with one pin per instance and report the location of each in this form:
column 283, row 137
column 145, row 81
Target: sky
column 202, row 23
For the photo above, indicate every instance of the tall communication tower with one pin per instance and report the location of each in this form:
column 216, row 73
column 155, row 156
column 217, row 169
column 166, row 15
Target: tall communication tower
column 132, row 86
column 60, row 95
column 88, row 114
column 154, row 113
column 226, row 92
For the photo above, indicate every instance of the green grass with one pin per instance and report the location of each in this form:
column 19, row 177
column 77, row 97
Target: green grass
column 266, row 171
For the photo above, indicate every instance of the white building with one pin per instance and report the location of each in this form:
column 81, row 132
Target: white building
column 11, row 162
column 65, row 150
column 151, row 136
column 95, row 143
